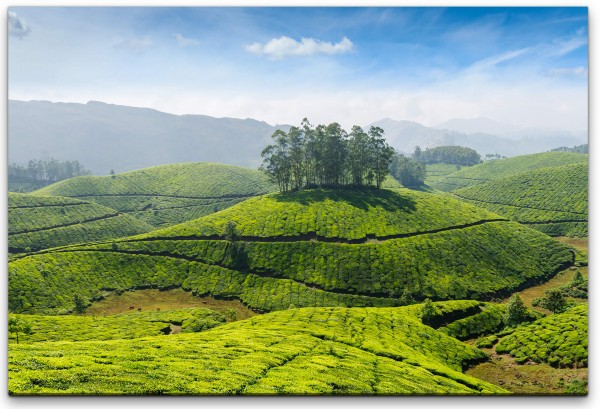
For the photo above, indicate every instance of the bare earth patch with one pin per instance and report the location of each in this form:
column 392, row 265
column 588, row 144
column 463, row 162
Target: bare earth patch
column 580, row 243
column 530, row 378
column 152, row 300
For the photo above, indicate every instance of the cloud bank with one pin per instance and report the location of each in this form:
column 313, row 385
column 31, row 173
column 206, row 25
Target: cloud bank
column 283, row 46
column 16, row 26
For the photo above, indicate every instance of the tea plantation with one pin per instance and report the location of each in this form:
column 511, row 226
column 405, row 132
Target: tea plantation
column 40, row 222
column 501, row 168
column 121, row 326
column 560, row 340
column 342, row 250
column 168, row 194
column 553, row 200
column 298, row 351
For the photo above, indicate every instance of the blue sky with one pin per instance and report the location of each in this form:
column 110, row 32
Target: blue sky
column 526, row 66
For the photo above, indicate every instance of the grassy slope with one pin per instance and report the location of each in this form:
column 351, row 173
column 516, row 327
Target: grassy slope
column 272, row 272
column 168, row 194
column 552, row 200
column 299, row 351
column 120, row 326
column 40, row 222
column 559, row 339
column 498, row 169
column 438, row 171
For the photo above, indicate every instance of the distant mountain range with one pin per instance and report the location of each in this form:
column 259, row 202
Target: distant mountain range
column 482, row 134
column 104, row 136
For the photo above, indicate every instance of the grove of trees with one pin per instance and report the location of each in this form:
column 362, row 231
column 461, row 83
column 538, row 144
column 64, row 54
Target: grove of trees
column 327, row 156
column 457, row 155
column 46, row 171
column 409, row 172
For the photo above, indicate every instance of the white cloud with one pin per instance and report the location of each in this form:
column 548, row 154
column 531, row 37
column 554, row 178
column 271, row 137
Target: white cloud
column 184, row 41
column 283, row 46
column 16, row 26
column 497, row 59
column 569, row 72
column 136, row 44
column 563, row 46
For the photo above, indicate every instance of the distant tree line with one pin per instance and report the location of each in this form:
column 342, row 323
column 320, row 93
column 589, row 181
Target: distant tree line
column 327, row 156
column 45, row 171
column 576, row 149
column 456, row 155
column 490, row 156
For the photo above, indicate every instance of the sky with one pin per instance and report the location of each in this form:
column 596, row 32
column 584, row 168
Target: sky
column 525, row 66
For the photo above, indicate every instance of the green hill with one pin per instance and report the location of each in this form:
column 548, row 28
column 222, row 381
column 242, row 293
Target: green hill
column 168, row 194
column 309, row 248
column 559, row 339
column 40, row 222
column 552, row 200
column 501, row 168
column 298, row 351
column 438, row 171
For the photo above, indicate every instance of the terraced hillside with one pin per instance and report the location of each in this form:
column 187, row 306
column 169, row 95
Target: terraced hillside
column 560, row 340
column 40, row 222
column 501, row 168
column 298, row 351
column 438, row 171
column 552, row 200
column 310, row 248
column 168, row 194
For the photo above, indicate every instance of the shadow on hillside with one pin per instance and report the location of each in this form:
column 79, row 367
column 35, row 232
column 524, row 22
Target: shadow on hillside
column 361, row 198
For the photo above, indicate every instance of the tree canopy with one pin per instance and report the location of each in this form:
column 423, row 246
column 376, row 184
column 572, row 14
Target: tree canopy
column 409, row 172
column 456, row 155
column 327, row 156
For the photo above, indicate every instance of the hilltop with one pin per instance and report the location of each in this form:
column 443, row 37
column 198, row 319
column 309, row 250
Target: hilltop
column 500, row 168
column 309, row 248
column 553, row 200
column 40, row 222
column 354, row 351
column 167, row 194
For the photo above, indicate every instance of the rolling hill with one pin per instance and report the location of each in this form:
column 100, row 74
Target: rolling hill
column 500, row 168
column 298, row 351
column 40, row 222
column 310, row 248
column 168, row 194
column 560, row 340
column 553, row 200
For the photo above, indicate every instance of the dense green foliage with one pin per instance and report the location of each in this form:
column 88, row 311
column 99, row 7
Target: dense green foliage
column 559, row 339
column 553, row 200
column 168, row 194
column 122, row 326
column 298, row 351
column 41, row 172
column 409, row 241
column 409, row 172
column 40, row 222
column 516, row 312
column 326, row 155
column 553, row 300
column 456, row 155
column 489, row 320
column 501, row 168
